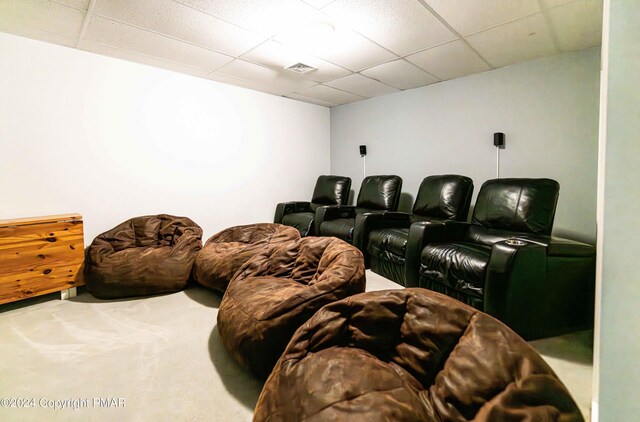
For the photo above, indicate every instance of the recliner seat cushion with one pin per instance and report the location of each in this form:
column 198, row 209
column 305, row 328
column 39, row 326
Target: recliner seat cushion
column 341, row 228
column 142, row 256
column 460, row 266
column 226, row 251
column 389, row 244
column 303, row 221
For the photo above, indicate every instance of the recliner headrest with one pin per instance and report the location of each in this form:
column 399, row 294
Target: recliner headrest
column 527, row 205
column 380, row 193
column 445, row 196
column 331, row 190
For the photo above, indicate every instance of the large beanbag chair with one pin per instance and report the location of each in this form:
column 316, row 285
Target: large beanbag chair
column 278, row 290
column 142, row 256
column 225, row 252
column 410, row 355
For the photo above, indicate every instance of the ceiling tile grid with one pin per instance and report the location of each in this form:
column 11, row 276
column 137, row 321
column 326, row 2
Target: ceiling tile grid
column 361, row 85
column 125, row 37
column 359, row 48
column 400, row 74
column 43, row 20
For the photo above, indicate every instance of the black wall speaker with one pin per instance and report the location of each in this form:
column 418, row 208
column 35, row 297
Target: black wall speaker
column 498, row 140
column 363, row 150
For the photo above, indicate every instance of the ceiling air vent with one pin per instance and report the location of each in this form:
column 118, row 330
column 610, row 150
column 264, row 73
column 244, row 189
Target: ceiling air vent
column 300, row 68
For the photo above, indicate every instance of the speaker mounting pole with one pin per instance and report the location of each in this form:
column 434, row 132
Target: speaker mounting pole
column 498, row 142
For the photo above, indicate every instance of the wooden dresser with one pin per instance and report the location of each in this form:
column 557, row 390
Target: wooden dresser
column 40, row 255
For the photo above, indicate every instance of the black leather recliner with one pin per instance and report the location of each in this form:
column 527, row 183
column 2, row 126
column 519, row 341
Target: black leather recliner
column 506, row 263
column 329, row 190
column 382, row 237
column 377, row 193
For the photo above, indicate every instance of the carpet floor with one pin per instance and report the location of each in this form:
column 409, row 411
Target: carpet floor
column 159, row 358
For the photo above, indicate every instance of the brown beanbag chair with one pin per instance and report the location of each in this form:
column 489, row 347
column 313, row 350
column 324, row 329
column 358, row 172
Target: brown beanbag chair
column 410, row 355
column 278, row 290
column 142, row 256
column 225, row 252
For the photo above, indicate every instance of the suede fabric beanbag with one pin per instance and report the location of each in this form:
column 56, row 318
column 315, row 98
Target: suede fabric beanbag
column 410, row 355
column 275, row 292
column 142, row 256
column 225, row 252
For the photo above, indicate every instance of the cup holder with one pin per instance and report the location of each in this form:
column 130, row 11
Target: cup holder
column 515, row 242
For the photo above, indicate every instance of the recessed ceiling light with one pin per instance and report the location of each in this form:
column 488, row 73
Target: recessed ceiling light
column 317, row 32
column 319, row 27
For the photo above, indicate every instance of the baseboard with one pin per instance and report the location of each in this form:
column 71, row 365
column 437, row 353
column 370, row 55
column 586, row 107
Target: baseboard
column 594, row 411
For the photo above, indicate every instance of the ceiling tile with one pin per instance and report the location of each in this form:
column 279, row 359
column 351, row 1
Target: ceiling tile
column 519, row 41
column 278, row 56
column 78, row 4
column 361, row 85
column 400, row 74
column 401, row 26
column 470, row 16
column 310, row 100
column 342, row 47
column 318, row 4
column 331, row 95
column 105, row 50
column 119, row 35
column 266, row 17
column 41, row 19
column 279, row 80
column 448, row 61
column 182, row 22
column 547, row 4
column 577, row 25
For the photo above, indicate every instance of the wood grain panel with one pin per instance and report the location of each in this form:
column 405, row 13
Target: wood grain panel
column 40, row 255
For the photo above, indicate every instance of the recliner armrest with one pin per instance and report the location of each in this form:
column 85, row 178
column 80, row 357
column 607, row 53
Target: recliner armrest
column 539, row 288
column 366, row 222
column 558, row 246
column 566, row 247
column 285, row 208
column 331, row 212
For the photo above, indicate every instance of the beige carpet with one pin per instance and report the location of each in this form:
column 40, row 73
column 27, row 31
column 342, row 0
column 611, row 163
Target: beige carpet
column 158, row 358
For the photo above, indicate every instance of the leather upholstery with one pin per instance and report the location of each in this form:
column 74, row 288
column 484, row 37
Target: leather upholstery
column 278, row 290
column 532, row 287
column 383, row 238
column 464, row 263
column 341, row 228
column 522, row 205
column 391, row 243
column 302, row 221
column 329, row 190
column 377, row 193
column 225, row 252
column 410, row 355
column 142, row 256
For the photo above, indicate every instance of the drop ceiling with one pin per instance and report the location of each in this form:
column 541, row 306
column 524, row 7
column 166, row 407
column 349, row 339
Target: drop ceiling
column 364, row 48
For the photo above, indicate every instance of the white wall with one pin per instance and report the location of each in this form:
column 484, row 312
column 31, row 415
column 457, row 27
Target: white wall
column 617, row 359
column 112, row 140
column 548, row 110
